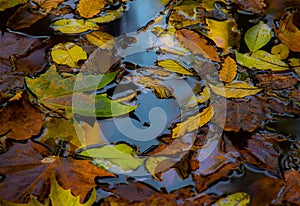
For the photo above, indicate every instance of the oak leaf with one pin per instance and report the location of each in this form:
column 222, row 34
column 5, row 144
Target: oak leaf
column 228, row 71
column 89, row 8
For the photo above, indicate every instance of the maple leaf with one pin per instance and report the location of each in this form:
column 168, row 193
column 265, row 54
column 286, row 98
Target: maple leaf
column 28, row 169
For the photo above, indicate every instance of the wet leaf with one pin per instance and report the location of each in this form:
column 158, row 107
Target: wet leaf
column 121, row 155
column 197, row 44
column 68, row 53
column 5, row 4
column 210, row 4
column 48, row 5
column 275, row 81
column 89, row 8
column 38, row 165
column 228, row 71
column 236, row 89
column 60, row 196
column 193, row 123
column 32, row 202
column 99, row 38
column 258, row 36
column 174, row 66
column 108, row 16
column 235, row 199
column 255, row 6
column 261, row 60
column 281, row 51
column 74, row 26
column 152, row 163
column 295, row 63
column 288, row 33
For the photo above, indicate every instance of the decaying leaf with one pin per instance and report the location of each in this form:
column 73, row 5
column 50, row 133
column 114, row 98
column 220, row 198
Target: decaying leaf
column 228, row 71
column 255, row 6
column 121, row 155
column 235, row 199
column 74, row 26
column 38, row 165
column 174, row 66
column 152, row 164
column 89, row 8
column 258, row 36
column 32, row 202
column 281, row 51
column 48, row 5
column 193, row 123
column 68, row 53
column 108, row 16
column 99, row 38
column 236, row 89
column 5, row 4
column 197, row 44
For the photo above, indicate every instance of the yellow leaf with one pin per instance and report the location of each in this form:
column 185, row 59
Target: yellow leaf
column 174, row 66
column 17, row 96
column 99, row 38
column 92, row 135
column 204, row 95
column 193, row 123
column 48, row 5
column 281, row 51
column 235, row 89
column 228, row 71
column 89, row 8
column 295, row 63
column 152, row 164
column 236, row 199
column 74, row 26
column 68, row 53
column 108, row 16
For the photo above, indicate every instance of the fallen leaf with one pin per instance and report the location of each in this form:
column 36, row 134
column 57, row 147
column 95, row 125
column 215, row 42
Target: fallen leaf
column 197, row 44
column 152, row 165
column 5, row 4
column 236, row 89
column 36, row 164
column 275, row 81
column 99, row 38
column 174, row 66
column 228, row 71
column 32, row 202
column 235, row 199
column 108, row 16
column 258, row 36
column 295, row 63
column 193, row 123
column 121, row 155
column 255, row 6
column 48, row 5
column 89, row 8
column 210, row 4
column 74, row 26
column 19, row 120
column 68, row 53
column 60, row 196
column 281, row 51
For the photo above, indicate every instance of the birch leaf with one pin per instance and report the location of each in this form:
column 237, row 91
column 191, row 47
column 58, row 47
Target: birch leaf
column 174, row 66
column 68, row 54
column 228, row 71
column 74, row 26
column 258, row 36
column 99, row 38
column 235, row 89
column 89, row 8
column 193, row 123
column 236, row 199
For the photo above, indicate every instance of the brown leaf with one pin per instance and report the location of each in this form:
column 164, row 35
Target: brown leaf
column 48, row 5
column 20, row 120
column 197, row 44
column 89, row 8
column 228, row 71
column 28, row 169
column 255, row 6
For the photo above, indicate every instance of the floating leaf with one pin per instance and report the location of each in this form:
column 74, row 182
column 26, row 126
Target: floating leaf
column 68, row 53
column 108, row 16
column 281, row 51
column 153, row 162
column 236, row 199
column 60, row 197
column 258, row 36
column 121, row 155
column 228, row 71
column 235, row 89
column 5, row 4
column 89, row 8
column 48, row 5
column 261, row 60
column 99, row 38
column 74, row 26
column 174, row 66
column 193, row 123
column 197, row 44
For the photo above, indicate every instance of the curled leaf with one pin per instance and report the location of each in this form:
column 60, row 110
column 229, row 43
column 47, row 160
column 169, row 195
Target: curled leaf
column 89, row 8
column 174, row 66
column 228, row 71
column 258, row 36
column 74, row 26
column 281, row 51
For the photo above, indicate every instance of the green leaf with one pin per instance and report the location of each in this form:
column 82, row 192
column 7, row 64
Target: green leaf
column 74, row 26
column 173, row 66
column 120, row 155
column 258, row 36
column 261, row 60
column 236, row 199
column 5, row 4
column 61, row 197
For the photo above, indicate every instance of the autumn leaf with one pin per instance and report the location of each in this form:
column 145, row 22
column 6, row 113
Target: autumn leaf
column 281, row 51
column 32, row 202
column 48, row 5
column 89, row 8
column 99, row 38
column 108, row 16
column 74, row 26
column 38, row 165
column 228, row 71
column 258, row 36
column 193, row 123
column 235, row 199
column 197, row 44
column 68, row 53
column 152, row 164
column 121, row 155
column 5, row 4
column 236, row 89
column 173, row 66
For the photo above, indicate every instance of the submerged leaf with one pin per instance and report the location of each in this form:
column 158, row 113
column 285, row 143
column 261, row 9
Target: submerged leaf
column 108, row 16
column 174, row 66
column 68, row 53
column 193, row 123
column 74, row 26
column 5, row 4
column 234, row 89
column 236, row 199
column 258, row 36
column 48, row 5
column 99, row 38
column 228, row 71
column 152, row 163
column 89, row 8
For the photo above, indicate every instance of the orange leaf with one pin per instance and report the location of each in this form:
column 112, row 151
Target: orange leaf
column 228, row 71
column 89, row 8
